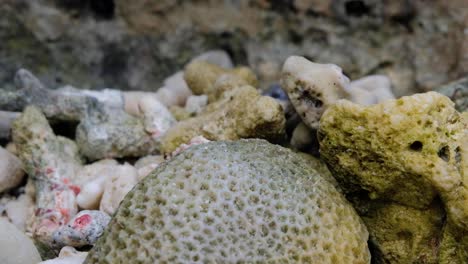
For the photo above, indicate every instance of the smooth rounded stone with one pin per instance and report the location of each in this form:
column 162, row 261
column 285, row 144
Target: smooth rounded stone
column 174, row 91
column 239, row 201
column 312, row 87
column 410, row 152
column 276, row 92
column 217, row 57
column 196, row 103
column 67, row 255
column 240, row 113
column 11, row 171
column 203, row 78
column 91, row 180
column 6, row 119
column 146, row 165
column 121, row 181
column 11, row 147
column 15, row 246
column 372, row 89
column 20, row 211
column 376, row 89
column 302, row 136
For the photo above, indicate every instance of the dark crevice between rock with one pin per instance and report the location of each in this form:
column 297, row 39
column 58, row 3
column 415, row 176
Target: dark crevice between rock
column 356, row 8
column 64, row 128
column 103, row 9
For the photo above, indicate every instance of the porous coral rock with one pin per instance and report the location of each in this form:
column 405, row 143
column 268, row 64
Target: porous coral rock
column 399, row 156
column 312, row 87
column 201, row 78
column 11, row 171
column 240, row 113
column 400, row 234
column 232, row 202
column 52, row 162
column 109, row 133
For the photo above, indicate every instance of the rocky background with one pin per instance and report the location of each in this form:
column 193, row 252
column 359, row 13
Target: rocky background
column 134, row 45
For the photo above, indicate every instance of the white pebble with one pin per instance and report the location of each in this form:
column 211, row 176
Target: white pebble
column 11, row 172
column 15, row 246
column 92, row 179
column 122, row 180
column 302, row 136
column 372, row 89
column 196, row 103
column 20, row 211
column 218, row 57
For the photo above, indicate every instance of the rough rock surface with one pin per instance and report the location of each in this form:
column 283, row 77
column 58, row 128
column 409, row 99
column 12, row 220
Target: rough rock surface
column 234, row 201
column 135, row 45
column 458, row 92
column 408, row 152
column 202, row 76
column 240, row 113
column 312, row 87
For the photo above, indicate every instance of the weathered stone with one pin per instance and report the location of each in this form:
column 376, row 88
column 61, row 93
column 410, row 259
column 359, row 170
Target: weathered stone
column 394, row 160
column 204, row 78
column 240, row 113
column 458, row 92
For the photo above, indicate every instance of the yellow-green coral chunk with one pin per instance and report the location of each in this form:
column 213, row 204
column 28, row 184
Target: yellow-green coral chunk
column 234, row 202
column 408, row 150
column 401, row 234
column 240, row 113
column 202, row 78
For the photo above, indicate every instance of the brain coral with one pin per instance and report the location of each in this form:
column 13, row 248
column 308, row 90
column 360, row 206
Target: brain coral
column 234, row 202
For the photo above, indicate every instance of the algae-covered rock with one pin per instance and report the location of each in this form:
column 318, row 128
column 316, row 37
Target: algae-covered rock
column 232, row 202
column 240, row 113
column 202, row 78
column 401, row 234
column 408, row 150
column 394, row 160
